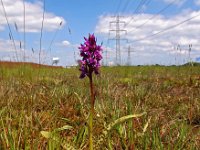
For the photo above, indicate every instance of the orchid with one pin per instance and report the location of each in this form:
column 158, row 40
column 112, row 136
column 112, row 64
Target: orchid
column 91, row 56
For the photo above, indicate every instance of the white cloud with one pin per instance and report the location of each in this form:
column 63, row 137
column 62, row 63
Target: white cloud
column 197, row 2
column 34, row 12
column 8, row 46
column 65, row 43
column 8, row 50
column 159, row 48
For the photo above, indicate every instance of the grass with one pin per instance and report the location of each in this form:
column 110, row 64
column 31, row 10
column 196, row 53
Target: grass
column 55, row 101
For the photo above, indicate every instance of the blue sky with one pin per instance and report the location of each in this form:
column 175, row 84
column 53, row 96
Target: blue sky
column 93, row 16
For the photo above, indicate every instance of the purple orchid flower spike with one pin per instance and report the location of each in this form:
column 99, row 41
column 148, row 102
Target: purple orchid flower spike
column 91, row 56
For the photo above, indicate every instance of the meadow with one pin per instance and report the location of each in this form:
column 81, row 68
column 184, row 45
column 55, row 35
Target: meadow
column 47, row 108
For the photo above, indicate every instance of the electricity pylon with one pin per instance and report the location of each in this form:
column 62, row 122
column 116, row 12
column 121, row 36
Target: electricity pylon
column 129, row 56
column 118, row 25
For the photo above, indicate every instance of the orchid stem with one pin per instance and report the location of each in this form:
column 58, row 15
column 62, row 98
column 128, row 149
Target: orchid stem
column 92, row 100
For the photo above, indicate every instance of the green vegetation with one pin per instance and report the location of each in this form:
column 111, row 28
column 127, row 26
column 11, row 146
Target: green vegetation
column 47, row 108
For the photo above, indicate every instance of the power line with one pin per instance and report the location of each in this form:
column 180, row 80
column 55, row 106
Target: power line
column 154, row 16
column 148, row 2
column 132, row 18
column 142, row 2
column 126, row 5
column 118, row 7
column 166, row 29
column 10, row 31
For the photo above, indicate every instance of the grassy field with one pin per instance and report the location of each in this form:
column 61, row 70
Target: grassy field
column 56, row 102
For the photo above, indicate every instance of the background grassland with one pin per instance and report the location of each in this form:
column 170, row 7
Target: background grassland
column 34, row 99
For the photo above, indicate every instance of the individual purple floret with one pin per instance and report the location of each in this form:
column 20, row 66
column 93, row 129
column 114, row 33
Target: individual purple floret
column 91, row 56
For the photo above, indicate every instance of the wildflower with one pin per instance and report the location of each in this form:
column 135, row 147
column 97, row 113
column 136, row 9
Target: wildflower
column 91, row 56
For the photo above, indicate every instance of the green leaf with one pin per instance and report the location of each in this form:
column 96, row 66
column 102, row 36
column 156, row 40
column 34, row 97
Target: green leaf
column 2, row 110
column 123, row 119
column 146, row 125
column 46, row 134
column 81, row 136
column 53, row 138
column 66, row 127
column 65, row 119
column 50, row 135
